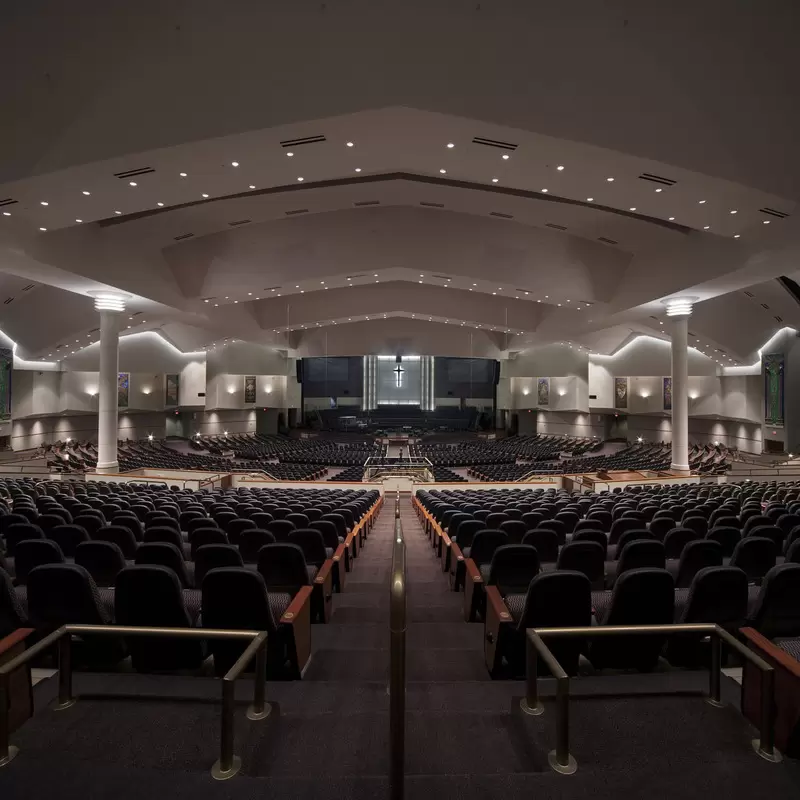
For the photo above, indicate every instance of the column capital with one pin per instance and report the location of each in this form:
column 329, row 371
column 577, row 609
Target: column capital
column 679, row 306
column 109, row 301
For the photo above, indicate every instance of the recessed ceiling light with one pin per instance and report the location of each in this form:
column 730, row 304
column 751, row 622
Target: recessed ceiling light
column 86, row 193
column 301, row 179
column 659, row 190
column 734, row 211
column 234, row 163
column 6, row 213
column 443, row 171
column 495, row 180
column 349, row 144
column 736, row 235
column 671, row 219
column 419, row 281
column 706, row 227
column 160, row 205
column 701, row 202
column 610, row 180
column 560, row 168
column 544, row 191
column 633, row 208
column 494, row 292
column 204, row 194
column 133, row 183
column 44, row 203
column 506, row 156
column 474, row 284
column 358, row 169
column 289, row 154
column 42, row 229
column 766, row 222
column 206, row 301
column 252, row 186
column 450, row 145
column 117, row 212
column 182, row 174
column 590, row 199
column 78, row 220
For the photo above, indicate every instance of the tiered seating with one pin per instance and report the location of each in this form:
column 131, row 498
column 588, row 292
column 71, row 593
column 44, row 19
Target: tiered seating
column 727, row 553
column 138, row 554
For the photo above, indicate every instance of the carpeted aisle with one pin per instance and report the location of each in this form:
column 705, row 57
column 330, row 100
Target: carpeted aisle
column 137, row 735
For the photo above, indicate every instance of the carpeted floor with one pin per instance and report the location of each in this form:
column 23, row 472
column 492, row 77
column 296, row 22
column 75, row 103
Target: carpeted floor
column 132, row 736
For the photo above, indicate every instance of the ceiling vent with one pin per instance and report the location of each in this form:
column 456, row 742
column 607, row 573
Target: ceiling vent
column 272, row 288
column 362, row 203
column 8, row 301
column 296, row 211
column 765, row 306
column 95, row 330
column 587, row 302
column 441, row 277
column 660, row 179
column 556, row 227
column 778, row 319
column 184, row 236
column 301, row 141
column 495, row 143
column 28, row 287
column 239, row 222
column 501, row 215
column 773, row 213
column 9, row 201
column 357, row 276
column 133, row 173
column 607, row 240
column 749, row 294
column 139, row 313
column 428, row 204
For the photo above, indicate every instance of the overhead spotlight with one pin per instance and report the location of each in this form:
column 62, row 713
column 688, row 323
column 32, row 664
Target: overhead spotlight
column 289, row 154
column 84, row 192
column 734, row 211
column 659, row 190
column 706, row 227
column 358, row 169
column 182, row 174
column 44, row 203
column 672, row 219
column 633, row 208
column 160, row 205
column 252, row 186
column 234, row 163
column 590, row 199
column 766, row 222
column 560, row 168
column 474, row 284
column 506, row 156
column 301, row 179
column 610, row 180
column 78, row 220
column 6, row 213
column 737, row 235
column 495, row 180
column 349, row 144
column 42, row 229
column 133, row 183
column 118, row 213
column 443, row 171
column 701, row 202
column 204, row 194
column 419, row 281
column 544, row 191
column 450, row 145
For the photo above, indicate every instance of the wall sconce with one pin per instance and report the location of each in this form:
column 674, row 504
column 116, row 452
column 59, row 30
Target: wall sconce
column 562, row 392
column 146, row 390
column 150, row 437
column 639, row 439
column 225, row 432
column 526, row 392
column 645, row 395
column 694, row 395
column 91, row 391
column 68, row 439
column 268, row 389
column 231, row 390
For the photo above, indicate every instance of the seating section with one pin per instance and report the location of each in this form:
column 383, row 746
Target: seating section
column 143, row 555
column 651, row 554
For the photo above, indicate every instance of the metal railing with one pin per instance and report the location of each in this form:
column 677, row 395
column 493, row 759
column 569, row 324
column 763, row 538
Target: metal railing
column 397, row 646
column 228, row 764
column 560, row 759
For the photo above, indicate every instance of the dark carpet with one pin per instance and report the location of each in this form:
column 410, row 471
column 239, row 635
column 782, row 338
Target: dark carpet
column 135, row 735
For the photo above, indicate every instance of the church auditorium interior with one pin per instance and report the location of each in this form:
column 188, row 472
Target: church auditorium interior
column 398, row 400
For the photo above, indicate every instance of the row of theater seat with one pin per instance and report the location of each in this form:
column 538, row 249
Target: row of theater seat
column 183, row 569
column 514, row 553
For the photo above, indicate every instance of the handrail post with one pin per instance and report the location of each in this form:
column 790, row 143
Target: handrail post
column 228, row 764
column 65, row 698
column 765, row 745
column 531, row 704
column 259, row 709
column 560, row 759
column 714, row 676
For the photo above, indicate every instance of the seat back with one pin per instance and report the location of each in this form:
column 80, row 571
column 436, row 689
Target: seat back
column 717, row 594
column 12, row 614
column 102, row 560
column 32, row 553
column 755, row 521
column 677, row 539
column 584, row 556
column 592, row 535
column 20, row 532
column 726, row 537
column 166, row 555
column 513, row 567
column 641, row 554
column 640, row 597
column 636, row 534
column 203, row 536
column 236, row 527
column 467, row 531
column 281, row 528
column 777, row 609
column 558, row 527
column 661, row 526
column 328, row 531
column 214, row 556
column 63, row 594
column 310, row 542
column 151, row 596
column 68, row 537
column 515, row 529
column 769, row 532
column 283, row 567
column 546, row 543
column 559, row 600
column 164, row 534
column 251, row 541
column 234, row 598
column 695, row 556
column 119, row 535
column 756, row 556
column 620, row 525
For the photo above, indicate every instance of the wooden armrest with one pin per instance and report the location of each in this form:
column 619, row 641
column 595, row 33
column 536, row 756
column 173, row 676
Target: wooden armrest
column 338, row 554
column 772, row 651
column 498, row 605
column 445, row 539
column 456, row 551
column 324, row 571
column 13, row 639
column 472, row 571
column 296, row 606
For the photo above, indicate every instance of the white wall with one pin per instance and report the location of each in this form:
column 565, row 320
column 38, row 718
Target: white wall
column 745, row 436
column 210, row 423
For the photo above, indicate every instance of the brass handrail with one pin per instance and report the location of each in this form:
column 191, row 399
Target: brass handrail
column 228, row 764
column 397, row 675
column 560, row 759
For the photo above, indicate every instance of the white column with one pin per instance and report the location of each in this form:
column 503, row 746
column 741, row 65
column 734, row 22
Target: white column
column 110, row 307
column 679, row 309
